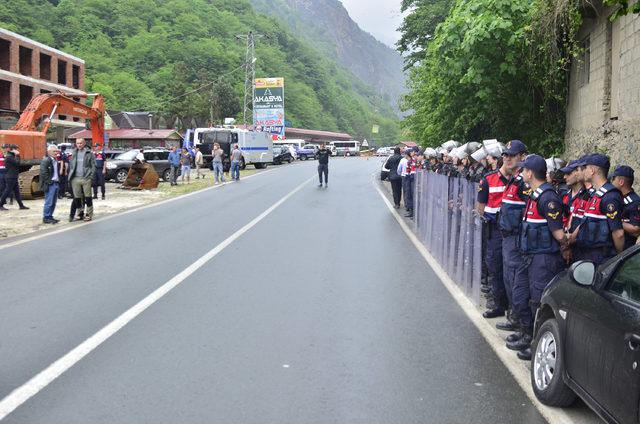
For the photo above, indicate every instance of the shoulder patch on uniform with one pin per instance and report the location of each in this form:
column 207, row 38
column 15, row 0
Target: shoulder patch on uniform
column 611, row 207
column 552, row 205
column 553, row 215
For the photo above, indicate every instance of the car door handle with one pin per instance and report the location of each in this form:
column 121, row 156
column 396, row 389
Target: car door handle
column 633, row 340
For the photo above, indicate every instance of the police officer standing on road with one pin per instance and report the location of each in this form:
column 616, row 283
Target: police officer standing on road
column 490, row 192
column 101, row 171
column 541, row 239
column 12, row 164
column 511, row 212
column 601, row 235
column 622, row 178
column 323, row 165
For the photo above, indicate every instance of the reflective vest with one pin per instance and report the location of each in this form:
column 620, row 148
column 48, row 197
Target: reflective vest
column 2, row 166
column 535, row 235
column 575, row 209
column 512, row 208
column 99, row 159
column 496, row 190
column 594, row 230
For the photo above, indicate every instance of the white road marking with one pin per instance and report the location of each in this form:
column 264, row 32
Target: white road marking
column 105, row 218
column 515, row 366
column 23, row 393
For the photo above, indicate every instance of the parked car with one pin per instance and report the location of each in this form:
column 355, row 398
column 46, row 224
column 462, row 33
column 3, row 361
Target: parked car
column 587, row 338
column 383, row 151
column 309, row 151
column 118, row 167
column 384, row 172
column 281, row 154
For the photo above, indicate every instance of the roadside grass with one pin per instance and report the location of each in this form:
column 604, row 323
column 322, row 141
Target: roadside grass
column 195, row 185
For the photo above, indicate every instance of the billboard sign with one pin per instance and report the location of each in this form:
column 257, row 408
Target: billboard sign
column 268, row 106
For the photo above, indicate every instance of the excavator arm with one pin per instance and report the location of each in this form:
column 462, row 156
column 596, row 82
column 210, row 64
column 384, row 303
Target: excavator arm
column 32, row 142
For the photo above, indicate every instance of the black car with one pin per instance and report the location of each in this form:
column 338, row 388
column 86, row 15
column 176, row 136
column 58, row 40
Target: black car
column 281, row 154
column 118, row 167
column 587, row 338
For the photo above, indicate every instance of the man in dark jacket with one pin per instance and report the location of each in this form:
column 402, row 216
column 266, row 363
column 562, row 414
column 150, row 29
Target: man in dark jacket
column 394, row 178
column 323, row 165
column 49, row 183
column 81, row 170
column 12, row 164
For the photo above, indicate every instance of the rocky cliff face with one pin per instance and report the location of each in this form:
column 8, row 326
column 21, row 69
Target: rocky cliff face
column 326, row 25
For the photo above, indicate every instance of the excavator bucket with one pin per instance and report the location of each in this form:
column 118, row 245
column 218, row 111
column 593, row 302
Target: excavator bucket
column 141, row 176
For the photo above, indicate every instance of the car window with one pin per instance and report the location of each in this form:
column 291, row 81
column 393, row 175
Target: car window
column 130, row 155
column 163, row 155
column 625, row 282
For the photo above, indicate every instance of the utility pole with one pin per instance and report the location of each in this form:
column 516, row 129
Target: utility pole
column 250, row 75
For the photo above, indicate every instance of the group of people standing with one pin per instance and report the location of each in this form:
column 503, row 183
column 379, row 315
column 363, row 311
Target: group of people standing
column 536, row 226
column 537, row 218
column 181, row 161
column 83, row 170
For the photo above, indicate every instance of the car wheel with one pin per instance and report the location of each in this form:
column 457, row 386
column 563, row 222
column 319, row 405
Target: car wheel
column 303, row 157
column 547, row 367
column 121, row 175
column 166, row 175
column 289, row 160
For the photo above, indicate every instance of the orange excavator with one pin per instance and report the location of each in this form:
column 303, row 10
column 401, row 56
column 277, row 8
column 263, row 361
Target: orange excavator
column 32, row 142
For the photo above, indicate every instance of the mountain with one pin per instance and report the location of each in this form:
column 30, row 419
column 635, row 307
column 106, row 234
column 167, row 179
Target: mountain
column 326, row 24
column 182, row 59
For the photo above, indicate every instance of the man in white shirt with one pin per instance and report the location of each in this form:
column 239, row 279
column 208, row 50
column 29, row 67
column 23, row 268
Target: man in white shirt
column 140, row 156
column 404, row 171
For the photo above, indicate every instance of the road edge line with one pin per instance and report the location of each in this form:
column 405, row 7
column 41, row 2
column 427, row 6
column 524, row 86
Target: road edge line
column 124, row 212
column 35, row 384
column 515, row 366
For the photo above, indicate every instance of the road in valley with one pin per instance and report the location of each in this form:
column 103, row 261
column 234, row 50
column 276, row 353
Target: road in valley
column 318, row 311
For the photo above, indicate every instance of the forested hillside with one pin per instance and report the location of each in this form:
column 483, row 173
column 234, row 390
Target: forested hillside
column 147, row 54
column 327, row 24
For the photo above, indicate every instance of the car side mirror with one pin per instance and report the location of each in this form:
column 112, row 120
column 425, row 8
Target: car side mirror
column 583, row 273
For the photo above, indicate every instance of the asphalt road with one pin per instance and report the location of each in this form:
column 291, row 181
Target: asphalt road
column 321, row 312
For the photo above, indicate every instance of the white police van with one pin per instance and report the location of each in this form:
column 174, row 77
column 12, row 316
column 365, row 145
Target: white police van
column 256, row 147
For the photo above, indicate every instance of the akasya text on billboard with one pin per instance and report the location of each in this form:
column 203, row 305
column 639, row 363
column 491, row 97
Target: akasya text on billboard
column 268, row 106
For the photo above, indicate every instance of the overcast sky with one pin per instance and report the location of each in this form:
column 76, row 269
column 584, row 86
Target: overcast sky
column 380, row 18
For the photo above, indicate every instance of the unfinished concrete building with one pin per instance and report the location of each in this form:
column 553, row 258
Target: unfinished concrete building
column 29, row 68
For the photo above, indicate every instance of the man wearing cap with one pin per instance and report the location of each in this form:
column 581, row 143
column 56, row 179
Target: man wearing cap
column 622, row 178
column 12, row 164
column 490, row 192
column 574, row 201
column 601, row 235
column 512, row 207
column 541, row 239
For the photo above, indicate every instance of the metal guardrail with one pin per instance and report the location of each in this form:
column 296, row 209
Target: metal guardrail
column 446, row 224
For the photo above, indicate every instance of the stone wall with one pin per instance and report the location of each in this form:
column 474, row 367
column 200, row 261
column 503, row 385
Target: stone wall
column 603, row 115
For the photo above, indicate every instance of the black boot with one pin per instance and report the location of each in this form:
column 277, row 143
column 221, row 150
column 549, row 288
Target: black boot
column 525, row 354
column 513, row 337
column 493, row 313
column 521, row 344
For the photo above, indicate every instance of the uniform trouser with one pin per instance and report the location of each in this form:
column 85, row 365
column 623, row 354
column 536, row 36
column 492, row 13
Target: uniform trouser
column 494, row 265
column 323, row 169
column 539, row 270
column 11, row 187
column 3, row 185
column 98, row 181
column 407, row 188
column 82, row 188
column 50, row 200
column 62, row 187
column 512, row 261
column 396, row 188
